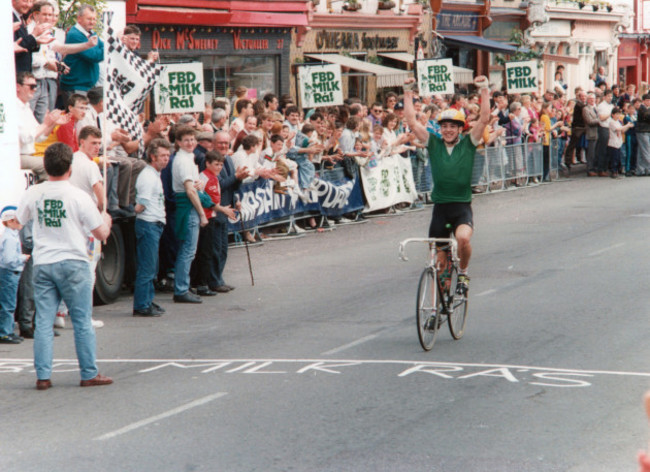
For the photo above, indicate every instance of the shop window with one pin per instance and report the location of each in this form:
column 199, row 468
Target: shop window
column 223, row 74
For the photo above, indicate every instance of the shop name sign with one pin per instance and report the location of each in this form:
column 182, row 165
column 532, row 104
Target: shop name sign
column 345, row 40
column 320, row 85
column 457, row 21
column 186, row 39
column 435, row 76
column 180, row 89
column 521, row 77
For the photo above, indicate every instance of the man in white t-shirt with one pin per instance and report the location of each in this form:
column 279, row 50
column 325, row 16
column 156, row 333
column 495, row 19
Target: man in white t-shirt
column 189, row 212
column 149, row 224
column 604, row 110
column 85, row 172
column 63, row 216
column 87, row 177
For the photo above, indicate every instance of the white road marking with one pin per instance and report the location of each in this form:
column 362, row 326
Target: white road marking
column 167, row 414
column 487, row 292
column 28, row 363
column 641, row 215
column 349, row 345
column 604, row 250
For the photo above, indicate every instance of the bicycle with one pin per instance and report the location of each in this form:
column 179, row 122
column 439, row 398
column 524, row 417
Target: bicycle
column 437, row 301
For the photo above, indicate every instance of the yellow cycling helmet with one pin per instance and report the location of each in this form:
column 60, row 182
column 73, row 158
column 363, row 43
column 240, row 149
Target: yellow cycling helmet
column 453, row 116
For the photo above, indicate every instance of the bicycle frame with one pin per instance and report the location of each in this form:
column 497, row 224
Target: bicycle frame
column 453, row 246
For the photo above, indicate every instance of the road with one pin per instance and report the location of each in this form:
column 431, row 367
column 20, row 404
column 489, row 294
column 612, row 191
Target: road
column 318, row 368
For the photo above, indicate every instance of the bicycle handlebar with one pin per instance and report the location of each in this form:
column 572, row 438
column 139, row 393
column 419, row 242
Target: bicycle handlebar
column 402, row 246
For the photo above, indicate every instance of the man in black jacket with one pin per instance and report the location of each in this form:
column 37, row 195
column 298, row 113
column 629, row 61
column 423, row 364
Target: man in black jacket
column 577, row 127
column 229, row 181
column 643, row 137
column 24, row 43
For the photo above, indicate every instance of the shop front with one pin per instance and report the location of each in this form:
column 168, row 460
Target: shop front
column 459, row 27
column 238, row 43
column 581, row 40
column 358, row 42
column 632, row 53
column 257, row 58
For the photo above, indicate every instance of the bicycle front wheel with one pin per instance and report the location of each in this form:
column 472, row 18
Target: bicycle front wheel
column 426, row 313
column 457, row 308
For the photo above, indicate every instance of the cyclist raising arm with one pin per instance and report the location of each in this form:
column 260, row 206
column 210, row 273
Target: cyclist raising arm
column 452, row 162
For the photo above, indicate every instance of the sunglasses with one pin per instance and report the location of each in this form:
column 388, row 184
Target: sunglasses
column 31, row 86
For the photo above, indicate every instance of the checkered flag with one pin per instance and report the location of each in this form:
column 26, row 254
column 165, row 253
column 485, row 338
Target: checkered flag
column 129, row 80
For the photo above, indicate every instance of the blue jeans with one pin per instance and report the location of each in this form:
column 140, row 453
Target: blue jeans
column 148, row 237
column 8, row 295
column 186, row 253
column 70, row 281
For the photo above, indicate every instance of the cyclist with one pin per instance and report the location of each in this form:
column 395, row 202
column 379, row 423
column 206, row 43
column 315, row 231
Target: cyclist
column 452, row 162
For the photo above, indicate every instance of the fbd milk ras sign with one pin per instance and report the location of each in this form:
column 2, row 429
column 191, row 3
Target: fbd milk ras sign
column 435, row 76
column 320, row 85
column 180, row 89
column 521, row 77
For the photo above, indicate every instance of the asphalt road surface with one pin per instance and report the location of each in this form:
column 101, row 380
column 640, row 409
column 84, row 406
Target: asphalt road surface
column 318, row 367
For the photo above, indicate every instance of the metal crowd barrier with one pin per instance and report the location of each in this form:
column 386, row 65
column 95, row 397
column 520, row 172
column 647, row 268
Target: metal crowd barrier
column 501, row 168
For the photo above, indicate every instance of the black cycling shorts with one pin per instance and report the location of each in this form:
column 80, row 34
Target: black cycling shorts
column 455, row 214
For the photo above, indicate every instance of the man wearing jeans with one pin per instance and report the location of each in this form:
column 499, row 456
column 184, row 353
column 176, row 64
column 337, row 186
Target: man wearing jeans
column 149, row 224
column 63, row 216
column 643, row 137
column 189, row 212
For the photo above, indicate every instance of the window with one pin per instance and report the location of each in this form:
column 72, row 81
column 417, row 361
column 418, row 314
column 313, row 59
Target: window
column 223, row 74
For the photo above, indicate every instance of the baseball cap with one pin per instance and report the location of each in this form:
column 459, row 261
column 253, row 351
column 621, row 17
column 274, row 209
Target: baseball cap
column 8, row 213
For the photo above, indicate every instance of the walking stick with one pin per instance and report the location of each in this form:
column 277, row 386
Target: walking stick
column 248, row 254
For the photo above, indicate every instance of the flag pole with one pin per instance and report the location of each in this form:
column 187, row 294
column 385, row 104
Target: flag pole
column 104, row 101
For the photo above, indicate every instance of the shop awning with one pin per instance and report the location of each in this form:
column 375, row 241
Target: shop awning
column 477, row 42
column 462, row 75
column 386, row 76
column 560, row 58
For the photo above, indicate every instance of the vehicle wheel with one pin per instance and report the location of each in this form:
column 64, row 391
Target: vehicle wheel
column 109, row 274
column 458, row 308
column 426, row 313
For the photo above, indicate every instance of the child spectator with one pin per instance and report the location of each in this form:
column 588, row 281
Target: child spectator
column 206, row 257
column 12, row 261
column 67, row 133
column 273, row 157
column 616, row 130
column 631, row 144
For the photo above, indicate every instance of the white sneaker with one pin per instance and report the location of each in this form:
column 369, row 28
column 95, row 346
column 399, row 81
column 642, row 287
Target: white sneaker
column 97, row 323
column 345, row 220
column 59, row 321
column 298, row 229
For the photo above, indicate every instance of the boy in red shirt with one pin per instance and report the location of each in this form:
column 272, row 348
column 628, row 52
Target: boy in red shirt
column 205, row 252
column 67, row 133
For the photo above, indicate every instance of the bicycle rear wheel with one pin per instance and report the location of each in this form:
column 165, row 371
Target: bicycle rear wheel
column 426, row 310
column 457, row 308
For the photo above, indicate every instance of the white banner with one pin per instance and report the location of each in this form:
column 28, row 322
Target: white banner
column 180, row 89
column 320, row 85
column 389, row 183
column 521, row 77
column 435, row 76
column 12, row 180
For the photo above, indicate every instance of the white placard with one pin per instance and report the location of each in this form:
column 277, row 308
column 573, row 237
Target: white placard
column 180, row 89
column 521, row 77
column 435, row 76
column 320, row 85
column 12, row 180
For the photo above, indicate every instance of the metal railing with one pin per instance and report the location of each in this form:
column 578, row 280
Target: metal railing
column 501, row 168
